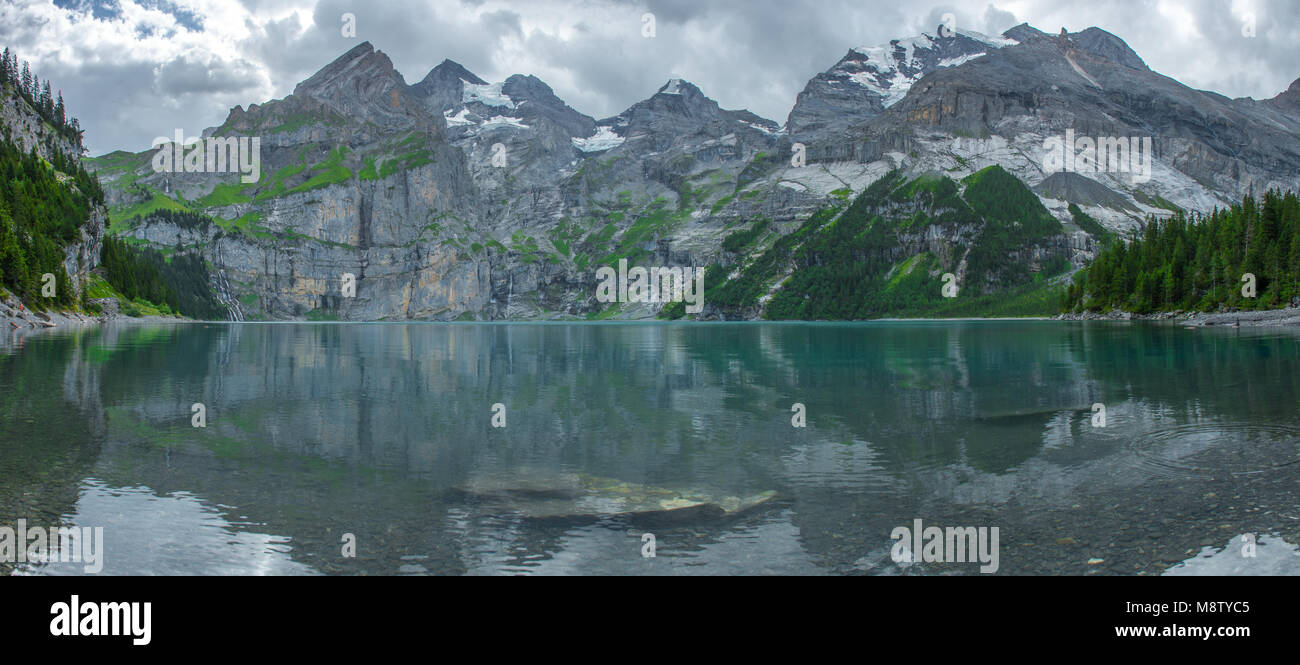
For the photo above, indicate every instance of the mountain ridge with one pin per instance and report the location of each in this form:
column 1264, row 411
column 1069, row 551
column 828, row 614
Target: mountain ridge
column 455, row 197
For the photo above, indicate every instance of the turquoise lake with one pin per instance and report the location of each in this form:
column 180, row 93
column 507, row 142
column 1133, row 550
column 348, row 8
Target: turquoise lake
column 386, row 432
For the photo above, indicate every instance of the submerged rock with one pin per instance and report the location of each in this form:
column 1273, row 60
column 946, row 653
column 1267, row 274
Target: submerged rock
column 538, row 494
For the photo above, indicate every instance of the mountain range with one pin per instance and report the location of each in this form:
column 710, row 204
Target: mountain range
column 456, row 198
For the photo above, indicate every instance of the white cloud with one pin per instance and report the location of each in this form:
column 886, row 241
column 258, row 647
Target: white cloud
column 131, row 79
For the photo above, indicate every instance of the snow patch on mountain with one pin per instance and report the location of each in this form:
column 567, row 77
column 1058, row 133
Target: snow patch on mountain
column 961, row 60
column 673, row 87
column 995, row 41
column 488, row 95
column 504, row 121
column 459, row 119
column 893, row 90
column 603, row 139
column 891, row 69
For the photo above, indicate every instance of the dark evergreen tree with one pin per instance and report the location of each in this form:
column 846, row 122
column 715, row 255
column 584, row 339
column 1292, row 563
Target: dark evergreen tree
column 1184, row 263
column 46, row 103
column 25, row 84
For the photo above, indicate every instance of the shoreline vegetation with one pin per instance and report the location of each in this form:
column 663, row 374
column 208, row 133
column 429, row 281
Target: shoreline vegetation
column 13, row 318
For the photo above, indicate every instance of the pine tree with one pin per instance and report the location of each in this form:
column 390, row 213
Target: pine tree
column 26, row 81
column 46, row 104
column 60, row 112
column 77, row 135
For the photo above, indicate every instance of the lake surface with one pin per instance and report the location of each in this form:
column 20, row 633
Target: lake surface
column 385, row 432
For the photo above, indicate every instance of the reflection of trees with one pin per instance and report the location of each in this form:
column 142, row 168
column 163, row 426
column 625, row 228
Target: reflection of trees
column 1237, row 374
column 49, row 439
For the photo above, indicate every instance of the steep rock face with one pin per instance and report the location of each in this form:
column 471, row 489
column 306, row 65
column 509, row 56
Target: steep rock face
column 355, row 176
column 27, row 130
column 82, row 256
column 363, row 86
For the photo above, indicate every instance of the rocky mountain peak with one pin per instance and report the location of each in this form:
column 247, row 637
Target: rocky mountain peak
column 1025, row 33
column 443, row 87
column 531, row 89
column 361, row 67
column 1105, row 45
column 1289, row 99
column 679, row 87
column 676, row 99
column 451, row 70
column 361, row 85
column 870, row 79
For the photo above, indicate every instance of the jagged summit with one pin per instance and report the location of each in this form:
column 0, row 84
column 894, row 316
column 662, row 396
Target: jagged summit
column 1025, row 33
column 362, row 67
column 442, row 87
column 676, row 87
column 1105, row 45
column 449, row 69
column 679, row 98
column 870, row 79
column 676, row 97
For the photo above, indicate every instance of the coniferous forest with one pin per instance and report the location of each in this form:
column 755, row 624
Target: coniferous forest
column 39, row 216
column 1199, row 262
column 180, row 281
column 41, row 213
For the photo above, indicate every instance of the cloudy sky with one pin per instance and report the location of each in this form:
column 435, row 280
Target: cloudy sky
column 131, row 70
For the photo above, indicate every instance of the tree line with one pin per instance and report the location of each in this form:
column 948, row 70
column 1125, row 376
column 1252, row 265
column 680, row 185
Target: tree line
column 180, row 281
column 39, row 216
column 38, row 95
column 1199, row 262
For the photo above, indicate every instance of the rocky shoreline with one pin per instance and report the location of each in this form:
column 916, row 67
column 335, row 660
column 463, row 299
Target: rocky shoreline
column 1289, row 316
column 16, row 317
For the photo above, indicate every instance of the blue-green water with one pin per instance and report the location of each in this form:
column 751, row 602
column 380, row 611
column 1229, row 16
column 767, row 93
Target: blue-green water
column 318, row 430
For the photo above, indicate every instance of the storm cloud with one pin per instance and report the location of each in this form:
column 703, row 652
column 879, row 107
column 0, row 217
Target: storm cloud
column 135, row 69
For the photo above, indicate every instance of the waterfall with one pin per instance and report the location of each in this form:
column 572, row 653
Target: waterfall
column 226, row 297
